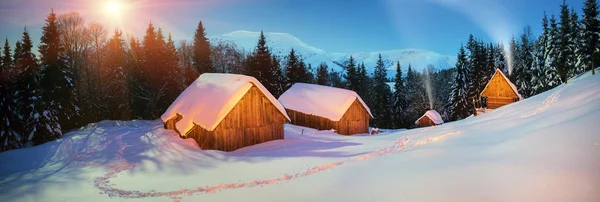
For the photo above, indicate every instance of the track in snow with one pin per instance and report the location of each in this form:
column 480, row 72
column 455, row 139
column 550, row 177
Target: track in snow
column 102, row 183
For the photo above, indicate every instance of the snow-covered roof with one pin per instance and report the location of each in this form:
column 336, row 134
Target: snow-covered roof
column 324, row 101
column 433, row 115
column 210, row 98
column 512, row 85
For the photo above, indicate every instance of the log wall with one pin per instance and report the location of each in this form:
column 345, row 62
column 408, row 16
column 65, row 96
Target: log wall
column 252, row 121
column 425, row 121
column 498, row 92
column 354, row 121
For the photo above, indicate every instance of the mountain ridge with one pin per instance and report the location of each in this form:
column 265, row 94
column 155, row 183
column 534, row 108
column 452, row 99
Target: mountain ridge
column 281, row 43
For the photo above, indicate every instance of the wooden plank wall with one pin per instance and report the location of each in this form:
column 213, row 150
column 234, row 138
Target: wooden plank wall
column 354, row 121
column 425, row 121
column 498, row 93
column 252, row 121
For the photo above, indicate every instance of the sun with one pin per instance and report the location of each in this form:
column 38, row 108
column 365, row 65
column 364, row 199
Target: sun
column 113, row 7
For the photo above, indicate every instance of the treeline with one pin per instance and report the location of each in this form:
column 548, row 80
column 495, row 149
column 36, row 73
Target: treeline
column 566, row 47
column 84, row 74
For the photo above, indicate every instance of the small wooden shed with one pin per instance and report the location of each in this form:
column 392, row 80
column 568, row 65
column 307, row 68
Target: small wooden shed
column 226, row 112
column 324, row 108
column 500, row 91
column 430, row 118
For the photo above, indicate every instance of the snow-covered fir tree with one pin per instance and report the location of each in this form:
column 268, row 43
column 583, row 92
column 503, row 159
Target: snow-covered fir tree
column 9, row 138
column 541, row 55
column 590, row 35
column 399, row 99
column 459, row 108
column 57, row 79
column 552, row 74
column 39, row 120
column 564, row 52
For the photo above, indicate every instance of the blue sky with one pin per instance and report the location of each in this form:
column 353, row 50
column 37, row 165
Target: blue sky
column 332, row 25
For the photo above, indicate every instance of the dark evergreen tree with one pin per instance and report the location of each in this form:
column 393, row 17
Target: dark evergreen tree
column 552, row 74
column 7, row 60
column 365, row 84
column 323, row 75
column 201, row 59
column 336, row 79
column 57, row 79
column 295, row 69
column 400, row 102
column 575, row 45
column 352, row 75
column 459, row 108
column 39, row 120
column 524, row 62
column 590, row 35
column 9, row 138
column 564, row 52
column 416, row 96
column 381, row 95
column 116, row 89
column 266, row 69
column 541, row 63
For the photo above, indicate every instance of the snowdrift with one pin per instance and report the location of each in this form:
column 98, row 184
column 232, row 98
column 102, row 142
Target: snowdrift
column 545, row 148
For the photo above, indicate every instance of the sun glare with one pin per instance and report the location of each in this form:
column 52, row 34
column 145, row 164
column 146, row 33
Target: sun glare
column 113, row 7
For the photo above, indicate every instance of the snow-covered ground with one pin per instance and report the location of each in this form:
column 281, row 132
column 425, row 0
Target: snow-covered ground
column 281, row 44
column 545, row 148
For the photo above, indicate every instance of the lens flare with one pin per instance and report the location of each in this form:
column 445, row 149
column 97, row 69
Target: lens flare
column 113, row 7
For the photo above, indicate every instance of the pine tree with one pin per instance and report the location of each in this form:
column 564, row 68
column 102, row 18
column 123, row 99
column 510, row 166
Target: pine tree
column 351, row 76
column 564, row 52
column 9, row 138
column 201, row 59
column 57, row 79
column 266, row 69
column 115, row 77
column 278, row 81
column 552, row 74
column 381, row 96
column 541, row 52
column 591, row 34
column 364, row 85
column 7, row 60
column 323, row 75
column 524, row 58
column 295, row 69
column 576, row 44
column 39, row 119
column 416, row 95
column 400, row 102
column 459, row 108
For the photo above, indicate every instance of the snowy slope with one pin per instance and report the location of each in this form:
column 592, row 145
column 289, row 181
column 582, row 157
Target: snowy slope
column 282, row 43
column 545, row 148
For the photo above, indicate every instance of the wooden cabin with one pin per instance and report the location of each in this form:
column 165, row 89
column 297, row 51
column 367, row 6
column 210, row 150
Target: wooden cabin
column 226, row 112
column 325, row 108
column 500, row 91
column 430, row 118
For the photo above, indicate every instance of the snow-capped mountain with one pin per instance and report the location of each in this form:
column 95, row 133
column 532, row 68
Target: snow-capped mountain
column 282, row 43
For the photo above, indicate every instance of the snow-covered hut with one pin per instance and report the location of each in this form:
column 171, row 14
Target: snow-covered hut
column 430, row 118
column 226, row 112
column 500, row 91
column 324, row 108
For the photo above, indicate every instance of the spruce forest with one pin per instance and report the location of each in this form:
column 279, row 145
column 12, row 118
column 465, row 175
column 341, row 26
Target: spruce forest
column 83, row 73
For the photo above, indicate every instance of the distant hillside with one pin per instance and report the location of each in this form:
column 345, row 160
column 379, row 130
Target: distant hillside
column 282, row 43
